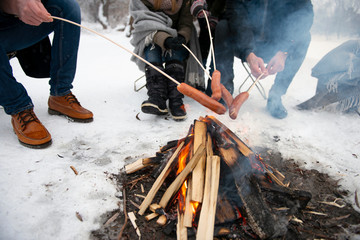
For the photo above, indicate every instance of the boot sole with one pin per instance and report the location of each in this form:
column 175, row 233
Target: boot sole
column 179, row 118
column 40, row 146
column 153, row 109
column 54, row 112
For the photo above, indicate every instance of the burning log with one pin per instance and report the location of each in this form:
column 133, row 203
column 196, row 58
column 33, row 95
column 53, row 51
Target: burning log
column 254, row 187
column 198, row 174
column 208, row 208
column 150, row 196
column 175, row 185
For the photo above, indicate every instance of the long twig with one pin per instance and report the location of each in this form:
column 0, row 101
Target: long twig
column 200, row 64
column 211, row 39
column 132, row 53
column 125, row 214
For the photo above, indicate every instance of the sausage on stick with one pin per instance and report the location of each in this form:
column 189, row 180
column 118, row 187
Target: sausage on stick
column 184, row 88
column 202, row 98
column 240, row 99
column 226, row 95
column 215, row 85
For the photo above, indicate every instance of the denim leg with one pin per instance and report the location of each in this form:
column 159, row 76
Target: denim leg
column 13, row 95
column 65, row 45
column 153, row 54
column 224, row 56
column 293, row 63
column 16, row 35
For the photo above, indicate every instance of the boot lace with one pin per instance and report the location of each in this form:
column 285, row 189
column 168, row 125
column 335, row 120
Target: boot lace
column 26, row 117
column 71, row 99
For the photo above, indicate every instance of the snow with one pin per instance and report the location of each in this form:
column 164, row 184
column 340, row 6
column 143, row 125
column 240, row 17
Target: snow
column 40, row 194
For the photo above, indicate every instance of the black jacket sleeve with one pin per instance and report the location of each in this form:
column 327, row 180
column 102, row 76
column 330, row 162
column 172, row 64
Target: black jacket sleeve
column 241, row 31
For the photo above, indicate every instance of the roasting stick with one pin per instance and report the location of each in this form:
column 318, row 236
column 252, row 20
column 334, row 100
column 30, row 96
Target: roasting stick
column 197, row 60
column 216, row 75
column 211, row 41
column 240, row 99
column 225, row 94
column 184, row 88
column 134, row 54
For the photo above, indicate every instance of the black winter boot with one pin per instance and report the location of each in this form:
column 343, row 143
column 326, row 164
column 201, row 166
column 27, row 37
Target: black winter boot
column 177, row 109
column 156, row 85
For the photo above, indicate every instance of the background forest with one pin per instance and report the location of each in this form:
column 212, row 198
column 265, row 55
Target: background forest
column 338, row 18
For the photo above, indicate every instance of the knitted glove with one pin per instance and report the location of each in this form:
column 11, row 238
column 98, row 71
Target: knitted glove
column 174, row 43
column 197, row 7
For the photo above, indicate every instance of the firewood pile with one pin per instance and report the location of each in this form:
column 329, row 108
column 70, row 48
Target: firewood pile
column 211, row 178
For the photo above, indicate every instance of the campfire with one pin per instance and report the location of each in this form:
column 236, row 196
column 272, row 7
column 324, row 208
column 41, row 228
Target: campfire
column 210, row 179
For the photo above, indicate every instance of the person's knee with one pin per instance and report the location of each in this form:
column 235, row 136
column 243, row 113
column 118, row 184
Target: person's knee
column 68, row 9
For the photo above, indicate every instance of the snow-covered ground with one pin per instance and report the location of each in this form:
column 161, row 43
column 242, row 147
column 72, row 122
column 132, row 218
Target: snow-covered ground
column 40, row 194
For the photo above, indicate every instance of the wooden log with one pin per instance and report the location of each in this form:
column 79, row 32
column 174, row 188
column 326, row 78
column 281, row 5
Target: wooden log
column 179, row 180
column 188, row 214
column 215, row 176
column 243, row 148
column 151, row 216
column 162, row 220
column 225, row 211
column 207, row 216
column 258, row 214
column 140, row 164
column 198, row 175
column 181, row 231
column 159, row 181
column 205, row 211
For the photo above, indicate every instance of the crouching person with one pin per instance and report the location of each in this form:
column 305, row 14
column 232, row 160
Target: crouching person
column 23, row 24
column 160, row 29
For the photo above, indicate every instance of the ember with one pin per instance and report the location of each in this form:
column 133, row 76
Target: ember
column 213, row 178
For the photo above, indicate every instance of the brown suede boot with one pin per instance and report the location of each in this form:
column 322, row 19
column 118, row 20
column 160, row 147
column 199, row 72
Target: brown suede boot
column 69, row 106
column 31, row 133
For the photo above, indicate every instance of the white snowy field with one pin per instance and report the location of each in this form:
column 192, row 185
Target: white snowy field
column 40, row 194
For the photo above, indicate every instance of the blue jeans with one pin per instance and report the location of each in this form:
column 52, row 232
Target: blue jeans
column 154, row 54
column 16, row 35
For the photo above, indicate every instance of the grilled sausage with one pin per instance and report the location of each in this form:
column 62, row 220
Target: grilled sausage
column 236, row 104
column 202, row 98
column 215, row 85
column 226, row 95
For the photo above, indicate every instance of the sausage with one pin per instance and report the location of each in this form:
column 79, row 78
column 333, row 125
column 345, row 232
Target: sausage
column 202, row 98
column 226, row 95
column 236, row 104
column 215, row 85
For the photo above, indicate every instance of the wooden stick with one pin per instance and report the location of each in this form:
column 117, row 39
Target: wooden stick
column 176, row 184
column 125, row 214
column 253, row 84
column 215, row 176
column 188, row 215
column 132, row 219
column 159, row 181
column 211, row 39
column 207, row 73
column 151, row 216
column 198, row 175
column 139, row 164
column 132, row 53
column 205, row 211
